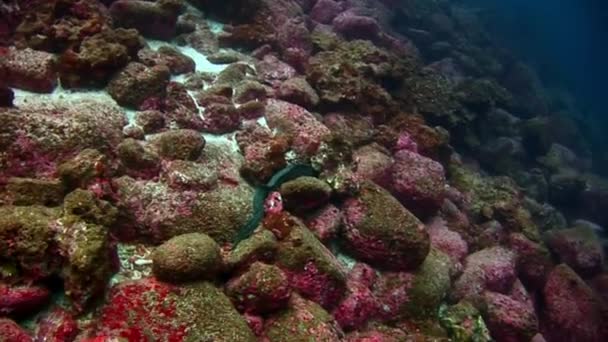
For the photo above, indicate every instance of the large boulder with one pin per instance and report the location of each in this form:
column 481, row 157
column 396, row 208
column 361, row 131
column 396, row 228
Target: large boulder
column 29, row 69
column 137, row 83
column 156, row 20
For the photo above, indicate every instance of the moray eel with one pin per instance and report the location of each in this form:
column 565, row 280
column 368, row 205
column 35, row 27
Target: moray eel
column 290, row 172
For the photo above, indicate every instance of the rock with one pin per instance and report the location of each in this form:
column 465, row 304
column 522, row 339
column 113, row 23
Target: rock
column 29, row 69
column 379, row 230
column 187, row 257
column 325, row 222
column 503, row 155
column 22, row 300
column 273, row 70
column 177, row 62
column 249, row 91
column 136, row 83
column 262, row 289
column 264, row 153
column 155, row 212
column 509, row 319
column 30, row 191
column 304, row 193
column 579, row 248
column 57, row 326
column 156, row 20
column 373, row 162
column 533, row 260
column 354, row 26
column 324, row 11
column 312, row 269
column 151, row 121
column 30, row 230
column 418, row 182
column 463, row 322
column 261, row 246
column 299, row 124
column 359, row 305
column 447, row 241
column 187, row 175
column 93, row 63
column 197, row 312
column 378, row 332
column 139, row 159
column 180, row 144
column 84, row 242
column 82, row 169
column 220, row 118
column 302, row 321
column 225, row 57
column 12, row 332
column 489, row 269
column 297, row 90
column 568, row 299
column 45, row 139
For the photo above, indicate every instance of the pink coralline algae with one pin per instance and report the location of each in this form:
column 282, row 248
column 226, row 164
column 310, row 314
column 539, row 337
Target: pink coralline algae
column 354, row 26
column 273, row 70
column 579, row 248
column 306, row 131
column 509, row 320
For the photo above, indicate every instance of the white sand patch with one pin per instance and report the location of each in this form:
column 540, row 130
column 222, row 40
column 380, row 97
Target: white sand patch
column 24, row 97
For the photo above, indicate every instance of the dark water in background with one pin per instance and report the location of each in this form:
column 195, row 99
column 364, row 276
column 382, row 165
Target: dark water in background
column 567, row 43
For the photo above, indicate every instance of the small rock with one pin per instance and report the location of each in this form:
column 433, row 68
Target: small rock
column 29, row 69
column 579, row 248
column 489, row 269
column 249, row 91
column 325, row 222
column 138, row 159
column 262, row 289
column 261, row 246
column 188, row 175
column 156, row 20
column 324, row 11
column 297, row 90
column 182, row 144
column 177, row 62
column 305, row 193
column 224, row 57
column 187, row 257
column 57, row 326
column 220, row 118
column 136, row 83
column 354, row 26
column 509, row 320
column 151, row 121
column 302, row 321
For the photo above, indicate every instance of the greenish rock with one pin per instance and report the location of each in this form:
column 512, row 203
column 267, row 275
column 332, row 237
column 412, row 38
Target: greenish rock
column 305, row 193
column 30, row 191
column 136, row 83
column 429, row 286
column 209, row 310
column 26, row 239
column 464, row 323
column 84, row 204
column 482, row 94
column 81, row 169
column 261, row 245
column 193, row 256
column 432, row 94
column 181, row 144
column 303, row 321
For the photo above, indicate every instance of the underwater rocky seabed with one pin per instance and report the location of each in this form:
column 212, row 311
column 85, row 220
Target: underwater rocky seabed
column 452, row 200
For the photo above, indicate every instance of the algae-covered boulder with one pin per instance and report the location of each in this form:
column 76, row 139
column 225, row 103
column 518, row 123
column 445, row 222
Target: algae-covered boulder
column 380, row 231
column 303, row 321
column 195, row 312
column 182, row 144
column 305, row 193
column 187, row 257
column 464, row 322
column 32, row 191
column 579, row 248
